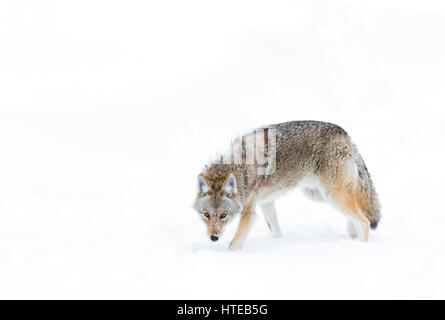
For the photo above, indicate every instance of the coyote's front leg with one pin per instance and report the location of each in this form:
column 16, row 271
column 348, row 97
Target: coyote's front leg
column 245, row 224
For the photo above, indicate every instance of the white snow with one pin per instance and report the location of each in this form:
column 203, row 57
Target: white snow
column 109, row 109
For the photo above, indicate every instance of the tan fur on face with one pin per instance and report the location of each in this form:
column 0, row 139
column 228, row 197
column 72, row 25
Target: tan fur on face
column 216, row 181
column 215, row 224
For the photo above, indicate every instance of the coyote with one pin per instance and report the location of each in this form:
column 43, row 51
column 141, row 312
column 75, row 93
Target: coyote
column 318, row 157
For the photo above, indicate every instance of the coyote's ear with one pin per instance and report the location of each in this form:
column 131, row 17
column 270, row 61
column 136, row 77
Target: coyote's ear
column 203, row 184
column 229, row 186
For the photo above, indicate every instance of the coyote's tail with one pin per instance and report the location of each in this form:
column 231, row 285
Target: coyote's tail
column 367, row 196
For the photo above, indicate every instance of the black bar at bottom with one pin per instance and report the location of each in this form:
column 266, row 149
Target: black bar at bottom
column 219, row 309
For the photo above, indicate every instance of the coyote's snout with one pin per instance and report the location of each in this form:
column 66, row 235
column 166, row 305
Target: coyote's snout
column 317, row 157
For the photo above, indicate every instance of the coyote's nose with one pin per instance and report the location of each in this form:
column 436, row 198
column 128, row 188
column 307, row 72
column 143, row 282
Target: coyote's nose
column 214, row 237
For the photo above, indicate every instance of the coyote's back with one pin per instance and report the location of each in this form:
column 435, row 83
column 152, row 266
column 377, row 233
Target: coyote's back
column 315, row 149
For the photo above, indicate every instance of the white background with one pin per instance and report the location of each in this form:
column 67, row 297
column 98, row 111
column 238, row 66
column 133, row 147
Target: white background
column 109, row 110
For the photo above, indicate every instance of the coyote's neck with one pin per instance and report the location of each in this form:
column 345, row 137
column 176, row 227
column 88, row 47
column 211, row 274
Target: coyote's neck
column 246, row 177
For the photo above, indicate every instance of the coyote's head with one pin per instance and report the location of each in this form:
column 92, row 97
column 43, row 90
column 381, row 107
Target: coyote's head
column 218, row 202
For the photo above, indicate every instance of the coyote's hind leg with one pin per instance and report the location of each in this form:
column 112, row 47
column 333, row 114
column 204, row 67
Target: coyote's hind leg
column 345, row 201
column 351, row 230
column 270, row 215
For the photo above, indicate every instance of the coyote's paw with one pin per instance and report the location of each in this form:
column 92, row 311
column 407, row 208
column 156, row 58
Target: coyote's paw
column 352, row 232
column 234, row 247
column 277, row 234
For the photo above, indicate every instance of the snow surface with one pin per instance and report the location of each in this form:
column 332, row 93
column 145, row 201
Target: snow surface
column 109, row 109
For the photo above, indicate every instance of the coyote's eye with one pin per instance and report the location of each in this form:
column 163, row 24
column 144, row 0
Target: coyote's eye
column 223, row 216
column 207, row 214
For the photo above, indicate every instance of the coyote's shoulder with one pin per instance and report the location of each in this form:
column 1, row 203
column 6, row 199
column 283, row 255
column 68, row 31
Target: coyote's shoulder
column 317, row 156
